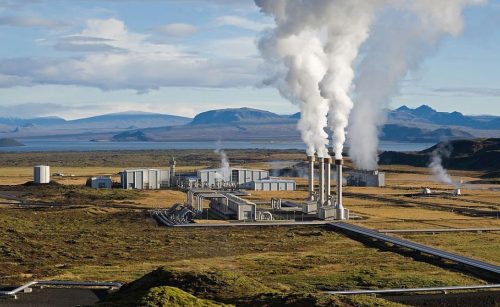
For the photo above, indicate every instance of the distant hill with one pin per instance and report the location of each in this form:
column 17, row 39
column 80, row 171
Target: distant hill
column 10, row 143
column 401, row 133
column 51, row 120
column 122, row 120
column 427, row 115
column 128, row 119
column 225, row 116
column 476, row 154
column 422, row 124
column 286, row 129
column 96, row 127
column 131, row 136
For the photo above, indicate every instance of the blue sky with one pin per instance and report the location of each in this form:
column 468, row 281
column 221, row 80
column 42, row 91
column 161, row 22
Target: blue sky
column 81, row 57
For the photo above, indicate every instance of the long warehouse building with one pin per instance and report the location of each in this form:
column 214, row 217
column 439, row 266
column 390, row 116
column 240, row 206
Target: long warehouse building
column 238, row 176
column 243, row 178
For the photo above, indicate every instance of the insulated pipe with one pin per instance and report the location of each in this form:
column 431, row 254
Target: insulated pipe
column 321, row 191
column 60, row 283
column 311, row 160
column 328, row 192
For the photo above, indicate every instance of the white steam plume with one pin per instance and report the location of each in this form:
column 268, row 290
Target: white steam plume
column 293, row 49
column 436, row 165
column 405, row 34
column 348, row 27
column 316, row 42
column 224, row 162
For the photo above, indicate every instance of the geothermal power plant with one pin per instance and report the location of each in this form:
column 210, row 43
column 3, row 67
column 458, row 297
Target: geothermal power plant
column 220, row 194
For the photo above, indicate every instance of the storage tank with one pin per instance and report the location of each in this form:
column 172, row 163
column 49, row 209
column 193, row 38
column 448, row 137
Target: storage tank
column 41, row 174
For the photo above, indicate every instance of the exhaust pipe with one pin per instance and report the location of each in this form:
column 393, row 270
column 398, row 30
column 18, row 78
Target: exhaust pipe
column 311, row 160
column 328, row 192
column 339, row 207
column 321, row 192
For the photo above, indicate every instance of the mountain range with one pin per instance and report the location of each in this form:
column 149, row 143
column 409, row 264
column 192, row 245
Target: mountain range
column 475, row 154
column 422, row 124
column 427, row 115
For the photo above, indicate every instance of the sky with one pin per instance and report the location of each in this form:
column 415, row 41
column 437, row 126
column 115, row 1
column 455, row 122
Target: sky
column 81, row 58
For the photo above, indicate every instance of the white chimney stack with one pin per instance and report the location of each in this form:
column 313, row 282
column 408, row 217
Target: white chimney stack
column 339, row 207
column 321, row 192
column 311, row 160
column 328, row 192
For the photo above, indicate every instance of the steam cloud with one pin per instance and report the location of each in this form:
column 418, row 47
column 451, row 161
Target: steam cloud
column 224, row 161
column 392, row 52
column 437, row 168
column 312, row 55
column 298, row 64
column 347, row 29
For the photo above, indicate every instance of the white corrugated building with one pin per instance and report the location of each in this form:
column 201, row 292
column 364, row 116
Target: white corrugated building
column 237, row 176
column 145, row 179
column 271, row 184
column 242, row 178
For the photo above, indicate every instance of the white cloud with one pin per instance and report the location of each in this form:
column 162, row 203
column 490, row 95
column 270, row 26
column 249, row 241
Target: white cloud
column 240, row 22
column 31, row 22
column 86, row 44
column 176, row 29
column 12, row 80
column 479, row 91
column 239, row 47
column 121, row 59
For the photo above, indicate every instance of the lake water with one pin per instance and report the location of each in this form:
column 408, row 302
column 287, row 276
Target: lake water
column 51, row 145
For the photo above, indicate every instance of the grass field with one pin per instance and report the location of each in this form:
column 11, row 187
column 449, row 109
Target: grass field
column 103, row 244
column 86, row 234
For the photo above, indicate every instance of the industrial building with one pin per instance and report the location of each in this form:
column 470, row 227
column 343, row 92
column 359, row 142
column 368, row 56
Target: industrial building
column 145, row 179
column 224, row 204
column 271, row 184
column 101, row 182
column 149, row 178
column 208, row 198
column 236, row 176
column 359, row 178
column 242, row 178
column 41, row 174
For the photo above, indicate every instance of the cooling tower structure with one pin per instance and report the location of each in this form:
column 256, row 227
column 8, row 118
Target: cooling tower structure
column 41, row 174
column 320, row 201
column 173, row 163
column 321, row 192
column 339, row 208
column 328, row 173
column 311, row 161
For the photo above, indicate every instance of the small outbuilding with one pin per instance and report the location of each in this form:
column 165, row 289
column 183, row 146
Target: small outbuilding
column 359, row 178
column 100, row 182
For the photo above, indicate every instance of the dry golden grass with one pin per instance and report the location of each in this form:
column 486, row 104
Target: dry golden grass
column 73, row 175
column 160, row 198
